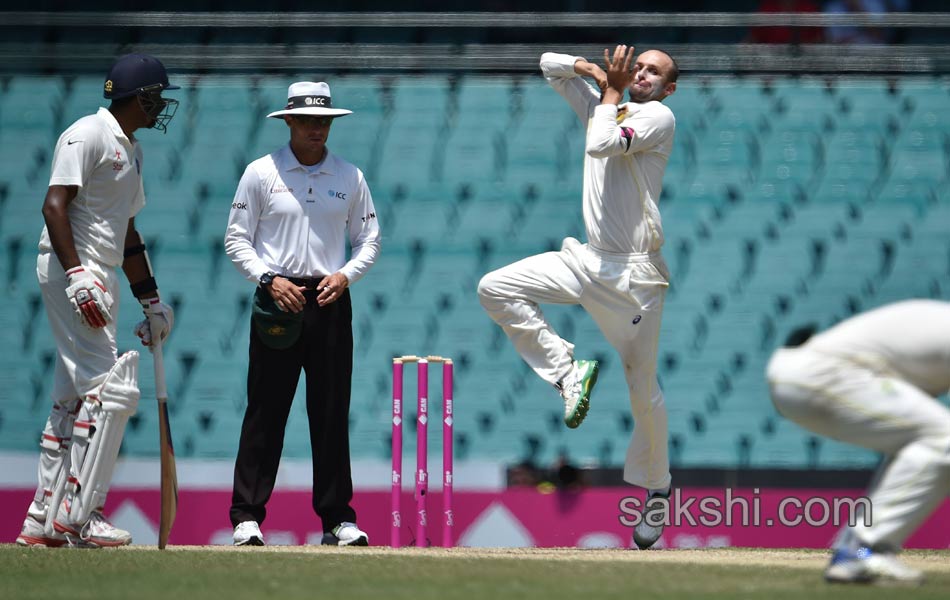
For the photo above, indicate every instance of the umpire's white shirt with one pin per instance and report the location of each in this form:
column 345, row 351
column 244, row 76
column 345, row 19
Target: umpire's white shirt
column 623, row 165
column 295, row 219
column 96, row 155
column 909, row 339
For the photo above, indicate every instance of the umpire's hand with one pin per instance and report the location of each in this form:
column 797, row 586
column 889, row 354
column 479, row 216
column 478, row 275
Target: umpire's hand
column 331, row 288
column 287, row 295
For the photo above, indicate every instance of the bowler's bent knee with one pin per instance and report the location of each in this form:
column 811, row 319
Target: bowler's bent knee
column 488, row 289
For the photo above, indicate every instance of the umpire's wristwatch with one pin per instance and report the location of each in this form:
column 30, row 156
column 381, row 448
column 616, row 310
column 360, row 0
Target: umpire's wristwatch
column 267, row 278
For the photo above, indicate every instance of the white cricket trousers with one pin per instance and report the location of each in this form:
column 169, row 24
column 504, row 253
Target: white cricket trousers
column 83, row 359
column 624, row 295
column 865, row 405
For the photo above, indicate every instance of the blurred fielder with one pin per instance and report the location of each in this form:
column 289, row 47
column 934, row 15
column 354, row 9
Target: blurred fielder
column 619, row 276
column 872, row 381
column 95, row 191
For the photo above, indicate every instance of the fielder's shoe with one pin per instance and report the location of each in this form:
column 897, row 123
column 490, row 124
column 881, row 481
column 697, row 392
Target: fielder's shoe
column 866, row 566
column 97, row 532
column 33, row 533
column 575, row 388
column 345, row 534
column 655, row 513
column 248, row 533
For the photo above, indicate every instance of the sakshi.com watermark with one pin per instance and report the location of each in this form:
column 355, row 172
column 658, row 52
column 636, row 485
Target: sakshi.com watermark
column 744, row 510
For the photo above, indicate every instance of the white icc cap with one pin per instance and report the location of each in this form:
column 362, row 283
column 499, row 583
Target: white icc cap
column 310, row 98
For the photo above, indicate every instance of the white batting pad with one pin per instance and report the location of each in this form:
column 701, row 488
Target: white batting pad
column 54, row 461
column 118, row 400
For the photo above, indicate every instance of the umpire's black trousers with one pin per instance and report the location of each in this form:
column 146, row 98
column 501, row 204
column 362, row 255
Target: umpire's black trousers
column 325, row 352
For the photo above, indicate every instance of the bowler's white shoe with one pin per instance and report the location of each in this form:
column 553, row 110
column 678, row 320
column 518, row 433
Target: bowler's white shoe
column 97, row 532
column 248, row 533
column 33, row 533
column 655, row 514
column 346, row 534
column 866, row 566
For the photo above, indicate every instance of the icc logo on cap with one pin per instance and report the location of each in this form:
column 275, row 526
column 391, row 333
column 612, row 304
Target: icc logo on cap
column 109, row 85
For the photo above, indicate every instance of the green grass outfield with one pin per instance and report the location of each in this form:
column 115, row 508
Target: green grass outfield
column 312, row 572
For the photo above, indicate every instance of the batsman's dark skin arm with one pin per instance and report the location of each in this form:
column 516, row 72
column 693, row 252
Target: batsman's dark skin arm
column 136, row 267
column 56, row 215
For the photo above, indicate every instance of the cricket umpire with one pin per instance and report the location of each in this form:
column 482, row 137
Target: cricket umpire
column 293, row 213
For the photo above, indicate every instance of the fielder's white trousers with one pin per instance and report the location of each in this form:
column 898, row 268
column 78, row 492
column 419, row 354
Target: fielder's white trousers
column 624, row 295
column 83, row 359
column 863, row 404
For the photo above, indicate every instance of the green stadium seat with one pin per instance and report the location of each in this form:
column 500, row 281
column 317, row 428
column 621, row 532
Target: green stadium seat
column 473, row 153
column 743, row 111
column 837, row 190
column 793, row 156
column 421, row 95
column 921, row 155
column 858, row 173
column 728, row 156
column 408, row 151
column 482, row 98
column 777, row 191
column 855, row 147
column 83, row 98
column 929, row 109
column 535, row 153
column 30, row 105
column 26, row 157
column 914, row 192
column 925, row 167
column 934, row 227
column 868, row 105
column 802, row 105
column 888, row 219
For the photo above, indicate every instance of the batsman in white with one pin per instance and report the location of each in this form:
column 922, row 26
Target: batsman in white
column 873, row 381
column 94, row 193
column 619, row 276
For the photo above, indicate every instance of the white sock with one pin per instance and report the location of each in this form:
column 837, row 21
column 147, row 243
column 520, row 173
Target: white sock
column 560, row 382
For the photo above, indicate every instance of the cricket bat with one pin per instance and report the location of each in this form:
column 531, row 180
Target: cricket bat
column 169, row 485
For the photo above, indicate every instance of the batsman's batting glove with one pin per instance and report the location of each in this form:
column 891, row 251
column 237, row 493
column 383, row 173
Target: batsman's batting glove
column 90, row 299
column 159, row 319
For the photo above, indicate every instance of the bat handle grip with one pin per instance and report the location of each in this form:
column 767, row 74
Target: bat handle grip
column 158, row 360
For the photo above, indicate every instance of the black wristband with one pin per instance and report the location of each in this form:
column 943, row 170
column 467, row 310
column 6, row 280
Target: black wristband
column 143, row 287
column 133, row 250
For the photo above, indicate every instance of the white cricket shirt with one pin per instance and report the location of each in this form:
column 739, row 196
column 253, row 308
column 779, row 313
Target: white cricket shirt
column 910, row 338
column 623, row 165
column 94, row 154
column 295, row 219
